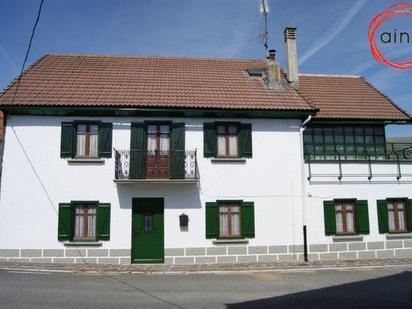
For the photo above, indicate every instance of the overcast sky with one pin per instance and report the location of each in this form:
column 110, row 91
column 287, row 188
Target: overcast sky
column 332, row 35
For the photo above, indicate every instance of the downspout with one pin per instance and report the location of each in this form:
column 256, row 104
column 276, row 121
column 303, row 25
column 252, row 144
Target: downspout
column 303, row 184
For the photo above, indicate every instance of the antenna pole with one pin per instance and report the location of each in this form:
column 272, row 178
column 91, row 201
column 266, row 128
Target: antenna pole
column 264, row 10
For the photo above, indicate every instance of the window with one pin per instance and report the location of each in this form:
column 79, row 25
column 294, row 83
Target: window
column 229, row 220
column 157, row 138
column 330, row 142
column 86, row 140
column 227, row 140
column 345, row 218
column 397, row 215
column 84, row 222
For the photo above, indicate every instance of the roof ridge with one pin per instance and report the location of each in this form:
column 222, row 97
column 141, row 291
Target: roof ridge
column 331, row 75
column 150, row 57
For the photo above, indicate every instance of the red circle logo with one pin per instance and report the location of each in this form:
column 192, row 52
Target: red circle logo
column 399, row 9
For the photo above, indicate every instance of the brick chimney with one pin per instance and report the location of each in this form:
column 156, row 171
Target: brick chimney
column 291, row 57
column 273, row 76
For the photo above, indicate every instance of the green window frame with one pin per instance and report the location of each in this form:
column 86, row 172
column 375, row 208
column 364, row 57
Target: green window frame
column 347, row 142
column 335, row 213
column 67, row 223
column 245, row 219
column 389, row 217
column 70, row 135
column 242, row 135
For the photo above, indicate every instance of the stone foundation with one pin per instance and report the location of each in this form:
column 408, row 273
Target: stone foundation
column 221, row 254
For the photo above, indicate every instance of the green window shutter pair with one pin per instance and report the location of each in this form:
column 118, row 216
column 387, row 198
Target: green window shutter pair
column 210, row 140
column 383, row 216
column 361, row 217
column 247, row 224
column 177, row 154
column 65, row 224
column 68, row 140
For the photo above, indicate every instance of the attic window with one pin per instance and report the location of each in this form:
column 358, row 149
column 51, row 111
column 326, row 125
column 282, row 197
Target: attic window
column 254, row 72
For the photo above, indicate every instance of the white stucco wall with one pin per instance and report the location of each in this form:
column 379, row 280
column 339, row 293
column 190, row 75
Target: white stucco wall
column 28, row 219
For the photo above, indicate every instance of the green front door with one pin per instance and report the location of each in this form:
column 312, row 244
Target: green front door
column 147, row 230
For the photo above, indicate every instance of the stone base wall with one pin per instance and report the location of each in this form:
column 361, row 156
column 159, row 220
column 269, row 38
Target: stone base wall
column 221, row 254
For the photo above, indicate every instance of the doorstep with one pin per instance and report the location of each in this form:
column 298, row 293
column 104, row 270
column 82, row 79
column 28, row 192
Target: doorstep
column 206, row 268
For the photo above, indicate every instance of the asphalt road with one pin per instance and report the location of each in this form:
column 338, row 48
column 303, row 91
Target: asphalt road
column 361, row 288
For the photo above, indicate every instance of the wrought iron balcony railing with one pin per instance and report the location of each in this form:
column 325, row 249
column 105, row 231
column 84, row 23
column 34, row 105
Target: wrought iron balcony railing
column 396, row 152
column 155, row 165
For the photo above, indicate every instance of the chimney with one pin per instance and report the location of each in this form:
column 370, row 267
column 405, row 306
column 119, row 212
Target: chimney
column 273, row 76
column 291, row 57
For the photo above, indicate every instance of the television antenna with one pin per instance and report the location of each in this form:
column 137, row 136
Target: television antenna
column 264, row 10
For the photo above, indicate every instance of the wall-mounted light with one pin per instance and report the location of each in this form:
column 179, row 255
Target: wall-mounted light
column 184, row 220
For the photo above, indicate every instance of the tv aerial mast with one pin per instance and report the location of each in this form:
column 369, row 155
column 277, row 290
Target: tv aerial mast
column 264, row 10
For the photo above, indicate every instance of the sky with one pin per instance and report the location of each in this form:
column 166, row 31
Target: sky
column 332, row 35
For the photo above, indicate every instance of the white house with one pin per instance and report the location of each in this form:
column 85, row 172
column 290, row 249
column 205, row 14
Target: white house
column 116, row 159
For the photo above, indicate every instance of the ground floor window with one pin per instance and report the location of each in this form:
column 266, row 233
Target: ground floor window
column 346, row 216
column 84, row 221
column 230, row 219
column 395, row 215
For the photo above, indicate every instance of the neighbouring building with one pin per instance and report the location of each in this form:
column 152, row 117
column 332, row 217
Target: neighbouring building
column 117, row 159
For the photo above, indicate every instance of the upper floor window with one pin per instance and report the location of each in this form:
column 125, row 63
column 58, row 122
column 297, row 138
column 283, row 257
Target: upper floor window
column 87, row 140
column 158, row 138
column 345, row 142
column 227, row 140
column 81, row 139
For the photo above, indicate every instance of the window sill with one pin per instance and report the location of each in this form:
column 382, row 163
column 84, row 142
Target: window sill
column 338, row 238
column 82, row 244
column 399, row 236
column 85, row 161
column 230, row 241
column 228, row 160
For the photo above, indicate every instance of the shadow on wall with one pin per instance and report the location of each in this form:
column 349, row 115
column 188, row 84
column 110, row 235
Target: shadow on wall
column 177, row 196
column 387, row 292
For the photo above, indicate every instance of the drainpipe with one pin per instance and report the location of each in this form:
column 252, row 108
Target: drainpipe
column 303, row 184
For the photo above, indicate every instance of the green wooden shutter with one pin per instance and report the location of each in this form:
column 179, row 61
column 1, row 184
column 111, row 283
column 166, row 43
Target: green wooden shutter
column 209, row 140
column 329, row 217
column 103, row 221
column 245, row 140
column 105, row 140
column 67, row 140
column 361, row 217
column 247, row 217
column 383, row 216
column 177, row 151
column 212, row 220
column 138, row 144
column 409, row 215
column 65, row 224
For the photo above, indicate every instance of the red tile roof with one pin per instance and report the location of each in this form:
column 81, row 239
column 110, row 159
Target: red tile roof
column 348, row 97
column 146, row 82
column 88, row 80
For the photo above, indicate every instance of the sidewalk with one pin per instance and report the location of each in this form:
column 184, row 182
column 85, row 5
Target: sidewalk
column 198, row 268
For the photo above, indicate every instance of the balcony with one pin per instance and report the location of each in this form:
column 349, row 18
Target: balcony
column 155, row 167
column 359, row 160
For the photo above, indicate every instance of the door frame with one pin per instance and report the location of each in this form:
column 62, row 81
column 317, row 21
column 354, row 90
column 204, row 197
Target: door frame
column 134, row 260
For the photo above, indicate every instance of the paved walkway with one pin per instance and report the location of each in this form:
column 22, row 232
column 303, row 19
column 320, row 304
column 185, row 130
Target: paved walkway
column 164, row 268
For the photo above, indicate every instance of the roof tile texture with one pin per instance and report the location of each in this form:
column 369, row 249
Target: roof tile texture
column 348, row 97
column 88, row 80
